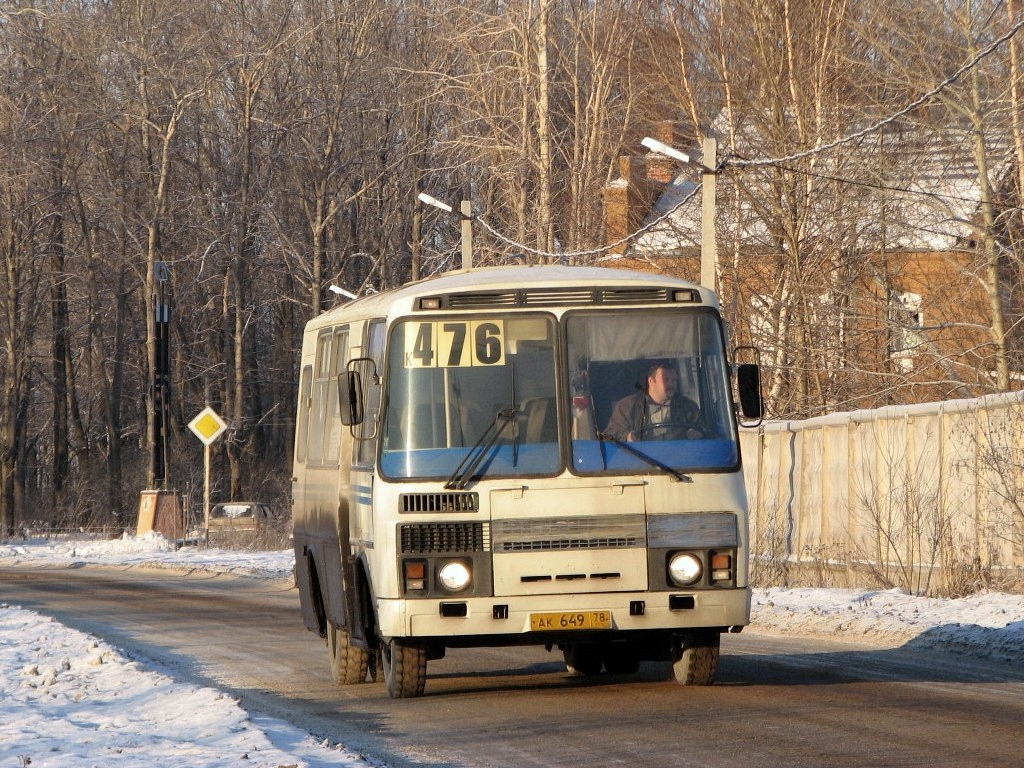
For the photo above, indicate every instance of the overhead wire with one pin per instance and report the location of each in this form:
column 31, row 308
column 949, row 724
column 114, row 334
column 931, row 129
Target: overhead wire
column 733, row 161
column 591, row 251
column 879, row 124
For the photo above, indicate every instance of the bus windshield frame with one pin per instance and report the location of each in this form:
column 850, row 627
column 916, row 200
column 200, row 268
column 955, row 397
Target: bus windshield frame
column 610, row 356
column 471, row 391
column 521, row 394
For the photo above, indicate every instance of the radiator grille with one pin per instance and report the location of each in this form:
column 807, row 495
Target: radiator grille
column 441, row 538
column 438, row 502
column 545, row 545
column 569, row 534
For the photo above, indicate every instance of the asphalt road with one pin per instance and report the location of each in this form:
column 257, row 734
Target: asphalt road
column 779, row 701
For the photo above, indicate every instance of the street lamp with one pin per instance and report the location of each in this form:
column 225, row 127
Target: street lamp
column 466, row 215
column 707, row 165
column 341, row 291
column 664, row 149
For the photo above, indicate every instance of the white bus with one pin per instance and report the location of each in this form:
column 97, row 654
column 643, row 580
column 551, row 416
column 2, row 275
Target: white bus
column 458, row 480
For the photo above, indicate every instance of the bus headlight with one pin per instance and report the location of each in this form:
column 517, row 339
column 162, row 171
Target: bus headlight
column 454, row 575
column 685, row 569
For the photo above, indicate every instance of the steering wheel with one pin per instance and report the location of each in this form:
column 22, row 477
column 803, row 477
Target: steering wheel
column 670, row 430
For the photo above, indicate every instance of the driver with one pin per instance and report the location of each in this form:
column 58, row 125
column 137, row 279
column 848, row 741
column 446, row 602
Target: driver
column 657, row 411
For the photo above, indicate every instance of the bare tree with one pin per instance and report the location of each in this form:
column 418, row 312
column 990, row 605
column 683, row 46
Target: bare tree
column 23, row 229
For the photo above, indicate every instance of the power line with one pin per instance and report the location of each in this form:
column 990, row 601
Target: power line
column 738, row 162
column 592, row 251
column 887, row 187
column 878, row 125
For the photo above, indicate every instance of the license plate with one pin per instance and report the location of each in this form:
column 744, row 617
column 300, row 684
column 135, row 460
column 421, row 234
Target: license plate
column 553, row 622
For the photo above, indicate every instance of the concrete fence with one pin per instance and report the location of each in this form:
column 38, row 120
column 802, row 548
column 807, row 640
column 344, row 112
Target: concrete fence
column 928, row 498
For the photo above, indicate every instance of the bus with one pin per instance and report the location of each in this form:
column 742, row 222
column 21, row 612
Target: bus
column 458, row 482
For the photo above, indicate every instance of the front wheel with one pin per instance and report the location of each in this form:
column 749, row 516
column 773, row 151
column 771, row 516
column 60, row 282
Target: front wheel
column 695, row 657
column 349, row 665
column 405, row 668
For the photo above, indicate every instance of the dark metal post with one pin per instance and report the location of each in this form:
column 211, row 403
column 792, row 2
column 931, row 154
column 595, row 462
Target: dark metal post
column 161, row 374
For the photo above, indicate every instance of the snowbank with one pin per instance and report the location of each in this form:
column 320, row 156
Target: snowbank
column 69, row 699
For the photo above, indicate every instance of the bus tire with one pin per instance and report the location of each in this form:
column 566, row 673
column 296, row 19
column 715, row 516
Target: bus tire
column 583, row 659
column 405, row 668
column 695, row 657
column 349, row 665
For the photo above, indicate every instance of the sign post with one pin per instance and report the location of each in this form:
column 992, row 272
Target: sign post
column 207, row 426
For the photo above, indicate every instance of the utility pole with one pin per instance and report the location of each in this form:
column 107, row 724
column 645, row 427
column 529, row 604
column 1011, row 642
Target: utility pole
column 466, row 211
column 708, row 240
column 708, row 170
column 161, row 375
column 466, row 216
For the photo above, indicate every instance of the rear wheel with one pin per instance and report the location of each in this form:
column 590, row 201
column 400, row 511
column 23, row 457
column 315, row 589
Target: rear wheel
column 405, row 668
column 349, row 665
column 695, row 657
column 583, row 658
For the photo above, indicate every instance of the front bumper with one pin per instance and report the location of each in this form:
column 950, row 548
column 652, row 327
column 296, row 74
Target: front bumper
column 490, row 617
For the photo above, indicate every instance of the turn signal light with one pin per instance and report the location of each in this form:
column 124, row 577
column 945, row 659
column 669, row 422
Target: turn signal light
column 721, row 567
column 415, row 574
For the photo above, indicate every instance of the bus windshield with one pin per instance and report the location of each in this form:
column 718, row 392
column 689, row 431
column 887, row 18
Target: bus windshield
column 649, row 389
column 470, row 397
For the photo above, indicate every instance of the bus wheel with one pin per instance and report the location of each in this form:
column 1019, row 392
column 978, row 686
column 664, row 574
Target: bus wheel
column 583, row 658
column 695, row 657
column 405, row 668
column 349, row 665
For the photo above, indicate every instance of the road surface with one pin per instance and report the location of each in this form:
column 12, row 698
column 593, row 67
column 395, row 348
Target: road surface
column 778, row 702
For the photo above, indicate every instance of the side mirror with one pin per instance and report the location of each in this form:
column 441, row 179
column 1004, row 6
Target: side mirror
column 350, row 397
column 748, row 382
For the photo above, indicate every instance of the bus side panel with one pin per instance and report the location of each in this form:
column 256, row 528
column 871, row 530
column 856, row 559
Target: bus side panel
column 320, row 493
column 302, row 536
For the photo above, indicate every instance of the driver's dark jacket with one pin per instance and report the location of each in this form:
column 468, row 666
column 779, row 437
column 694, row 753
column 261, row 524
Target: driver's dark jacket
column 630, row 414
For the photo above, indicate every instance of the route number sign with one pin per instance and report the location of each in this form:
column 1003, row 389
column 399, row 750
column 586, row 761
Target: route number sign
column 455, row 344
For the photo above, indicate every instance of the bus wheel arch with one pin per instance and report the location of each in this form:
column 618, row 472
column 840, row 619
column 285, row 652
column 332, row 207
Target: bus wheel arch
column 316, row 594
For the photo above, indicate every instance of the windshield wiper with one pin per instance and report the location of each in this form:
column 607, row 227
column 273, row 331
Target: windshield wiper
column 471, row 461
column 644, row 457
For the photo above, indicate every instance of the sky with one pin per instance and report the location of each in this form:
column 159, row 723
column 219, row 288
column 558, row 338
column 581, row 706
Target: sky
column 70, row 699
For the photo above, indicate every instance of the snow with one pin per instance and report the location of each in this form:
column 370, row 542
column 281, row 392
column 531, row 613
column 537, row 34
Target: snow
column 69, row 699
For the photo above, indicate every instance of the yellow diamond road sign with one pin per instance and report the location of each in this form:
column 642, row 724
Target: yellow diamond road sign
column 207, row 425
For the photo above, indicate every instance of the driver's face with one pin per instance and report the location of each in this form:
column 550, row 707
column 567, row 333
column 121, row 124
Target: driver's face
column 661, row 385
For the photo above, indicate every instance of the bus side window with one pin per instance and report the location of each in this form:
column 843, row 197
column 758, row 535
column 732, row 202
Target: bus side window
column 302, row 424
column 366, row 445
column 332, row 434
column 318, row 414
